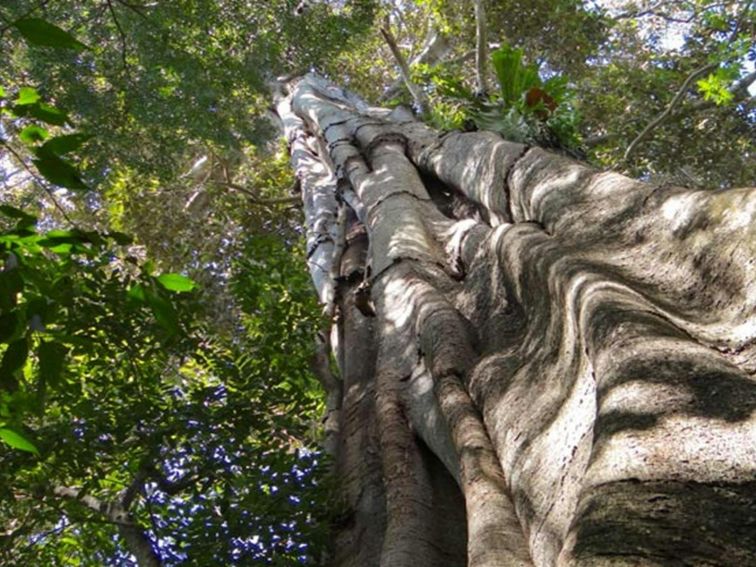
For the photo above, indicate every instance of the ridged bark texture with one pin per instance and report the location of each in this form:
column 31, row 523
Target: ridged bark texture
column 542, row 363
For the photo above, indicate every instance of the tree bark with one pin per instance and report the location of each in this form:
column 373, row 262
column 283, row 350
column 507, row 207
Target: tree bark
column 136, row 540
column 556, row 363
column 481, row 48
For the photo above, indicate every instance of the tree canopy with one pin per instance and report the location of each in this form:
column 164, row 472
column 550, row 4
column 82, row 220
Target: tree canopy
column 159, row 383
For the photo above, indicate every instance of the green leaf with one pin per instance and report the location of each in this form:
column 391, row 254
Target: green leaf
column 2, row 92
column 8, row 326
column 57, row 237
column 49, row 114
column 137, row 292
column 515, row 78
column 11, row 284
column 41, row 33
column 120, row 238
column 164, row 313
column 26, row 96
column 41, row 111
column 17, row 441
column 33, row 134
column 15, row 356
column 64, row 144
column 15, row 213
column 14, row 359
column 51, row 358
column 176, row 282
column 59, row 172
column 714, row 87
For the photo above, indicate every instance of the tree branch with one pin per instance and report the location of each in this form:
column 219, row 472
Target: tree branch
column 668, row 110
column 137, row 9
column 256, row 200
column 418, row 96
column 136, row 539
column 171, row 488
column 127, row 496
column 121, row 34
column 481, row 48
column 434, row 49
column 739, row 91
column 38, row 180
column 113, row 512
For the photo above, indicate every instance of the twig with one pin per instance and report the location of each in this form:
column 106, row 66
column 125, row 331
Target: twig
column 39, row 182
column 134, row 8
column 655, row 11
column 122, row 36
column 668, row 110
column 254, row 198
column 24, row 15
column 41, row 536
column 739, row 91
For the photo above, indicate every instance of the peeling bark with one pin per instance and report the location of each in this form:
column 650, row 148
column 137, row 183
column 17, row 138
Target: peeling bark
column 570, row 351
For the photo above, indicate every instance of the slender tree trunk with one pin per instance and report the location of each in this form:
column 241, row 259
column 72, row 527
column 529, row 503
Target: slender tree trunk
column 541, row 363
column 481, row 48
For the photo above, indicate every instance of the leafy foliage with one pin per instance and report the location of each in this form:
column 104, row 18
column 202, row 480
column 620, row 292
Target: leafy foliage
column 40, row 32
column 106, row 374
column 528, row 109
column 117, row 378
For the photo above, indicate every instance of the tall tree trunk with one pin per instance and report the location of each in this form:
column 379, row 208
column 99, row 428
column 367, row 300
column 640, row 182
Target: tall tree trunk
column 542, row 363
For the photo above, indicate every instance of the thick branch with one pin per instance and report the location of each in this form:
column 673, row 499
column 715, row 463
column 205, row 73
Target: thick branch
column 173, row 487
column 136, row 540
column 434, row 49
column 418, row 96
column 481, row 48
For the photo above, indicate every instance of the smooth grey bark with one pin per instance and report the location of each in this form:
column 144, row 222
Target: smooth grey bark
column 418, row 95
column 574, row 348
column 137, row 542
column 481, row 47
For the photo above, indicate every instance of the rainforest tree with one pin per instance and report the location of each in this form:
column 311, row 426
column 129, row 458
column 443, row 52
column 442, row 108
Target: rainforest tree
column 553, row 360
column 525, row 360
